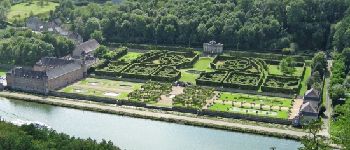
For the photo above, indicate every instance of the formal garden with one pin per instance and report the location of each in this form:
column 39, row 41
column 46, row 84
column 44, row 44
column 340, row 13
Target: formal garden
column 153, row 65
column 275, row 107
column 194, row 97
column 150, row 92
column 102, row 88
column 256, row 74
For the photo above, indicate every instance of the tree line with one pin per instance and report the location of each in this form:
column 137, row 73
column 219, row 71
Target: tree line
column 24, row 47
column 239, row 24
column 28, row 137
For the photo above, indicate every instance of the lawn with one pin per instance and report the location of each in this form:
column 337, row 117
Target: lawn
column 130, row 56
column 23, row 10
column 304, row 82
column 102, row 88
column 188, row 77
column 2, row 72
column 268, row 113
column 257, row 99
column 273, row 69
column 203, row 64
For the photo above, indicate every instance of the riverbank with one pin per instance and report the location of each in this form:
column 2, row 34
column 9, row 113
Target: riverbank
column 141, row 113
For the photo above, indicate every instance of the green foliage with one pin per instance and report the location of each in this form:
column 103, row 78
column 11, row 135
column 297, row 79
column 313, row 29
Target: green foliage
column 314, row 141
column 150, row 92
column 4, row 8
column 319, row 62
column 337, row 91
column 287, row 66
column 194, row 97
column 340, row 129
column 23, row 47
column 239, row 24
column 28, row 137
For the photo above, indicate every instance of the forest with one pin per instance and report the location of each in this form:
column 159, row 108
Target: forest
column 28, row 137
column 239, row 24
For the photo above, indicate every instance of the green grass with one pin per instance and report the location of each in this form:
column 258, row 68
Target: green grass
column 203, row 64
column 188, row 77
column 304, row 81
column 102, row 87
column 23, row 10
column 2, row 72
column 324, row 93
column 130, row 56
column 273, row 69
column 229, row 108
column 258, row 99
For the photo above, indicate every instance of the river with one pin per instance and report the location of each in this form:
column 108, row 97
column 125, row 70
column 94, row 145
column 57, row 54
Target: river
column 137, row 134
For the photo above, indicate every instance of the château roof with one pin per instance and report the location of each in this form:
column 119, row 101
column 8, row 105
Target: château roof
column 53, row 61
column 310, row 107
column 313, row 93
column 88, row 46
column 28, row 73
column 62, row 70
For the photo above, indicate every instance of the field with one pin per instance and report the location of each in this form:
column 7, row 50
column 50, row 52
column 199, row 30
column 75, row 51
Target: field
column 23, row 10
column 103, row 88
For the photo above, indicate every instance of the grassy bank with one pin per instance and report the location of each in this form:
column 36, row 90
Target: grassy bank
column 170, row 120
column 23, row 10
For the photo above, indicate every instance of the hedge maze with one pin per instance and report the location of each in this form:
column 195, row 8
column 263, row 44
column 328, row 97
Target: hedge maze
column 154, row 65
column 248, row 73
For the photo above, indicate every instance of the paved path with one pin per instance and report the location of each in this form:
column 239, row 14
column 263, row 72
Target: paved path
column 329, row 108
column 116, row 109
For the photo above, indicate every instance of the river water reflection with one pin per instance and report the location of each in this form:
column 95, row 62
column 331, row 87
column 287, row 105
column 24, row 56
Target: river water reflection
column 137, row 134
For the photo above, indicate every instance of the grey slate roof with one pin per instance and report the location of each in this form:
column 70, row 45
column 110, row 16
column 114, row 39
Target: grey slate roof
column 53, row 62
column 310, row 107
column 62, row 70
column 88, row 46
column 27, row 73
column 312, row 94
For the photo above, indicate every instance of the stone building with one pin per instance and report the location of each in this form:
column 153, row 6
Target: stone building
column 48, row 74
column 213, row 48
column 35, row 24
column 310, row 109
column 87, row 48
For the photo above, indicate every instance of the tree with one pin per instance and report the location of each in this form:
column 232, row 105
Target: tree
column 340, row 129
column 337, row 91
column 313, row 141
column 287, row 66
column 97, row 35
column 92, row 25
column 101, row 51
column 315, row 81
column 346, row 55
column 319, row 63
